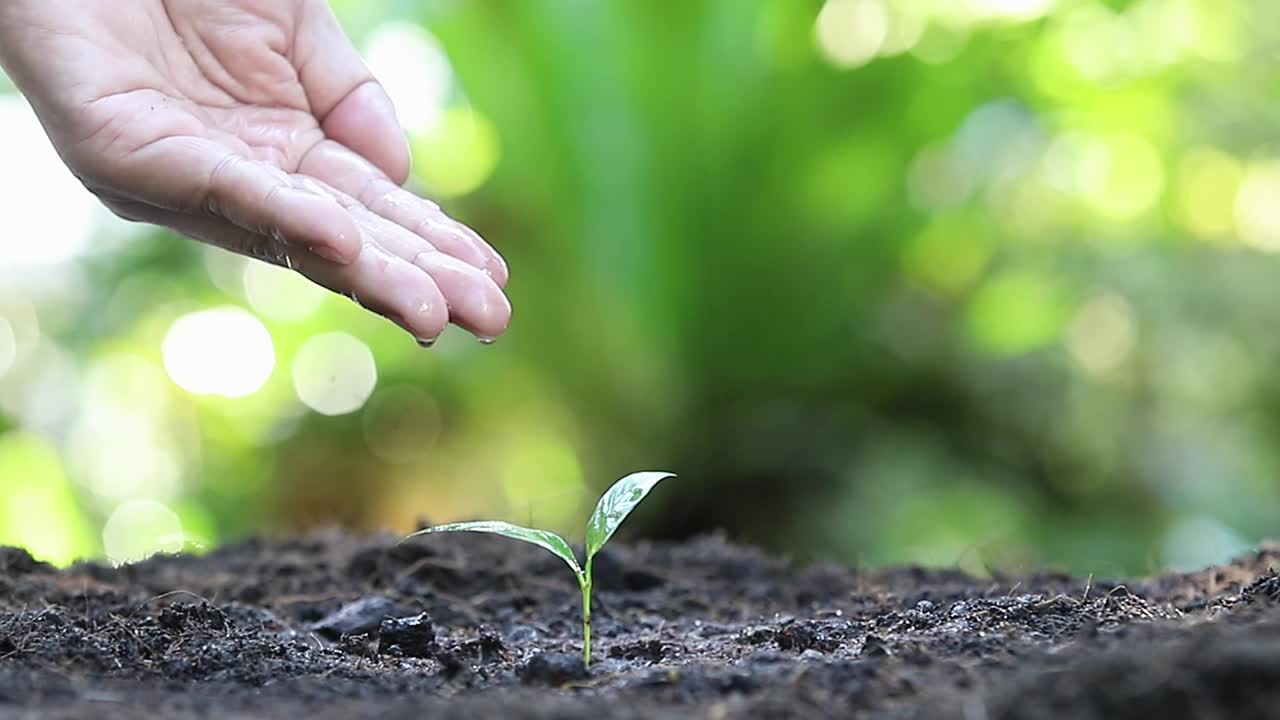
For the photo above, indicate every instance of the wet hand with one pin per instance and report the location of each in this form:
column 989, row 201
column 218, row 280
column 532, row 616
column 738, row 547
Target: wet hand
column 253, row 125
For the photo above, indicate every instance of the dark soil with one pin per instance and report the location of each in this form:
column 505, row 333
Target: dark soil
column 331, row 626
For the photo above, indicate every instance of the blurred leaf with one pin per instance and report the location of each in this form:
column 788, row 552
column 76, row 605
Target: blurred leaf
column 1016, row 312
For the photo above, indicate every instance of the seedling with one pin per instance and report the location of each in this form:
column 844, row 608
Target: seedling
column 614, row 506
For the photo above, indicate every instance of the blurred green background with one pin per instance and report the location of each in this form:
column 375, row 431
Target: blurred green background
column 987, row 283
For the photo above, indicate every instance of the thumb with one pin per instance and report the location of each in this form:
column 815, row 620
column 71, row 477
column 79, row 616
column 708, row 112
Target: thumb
column 350, row 104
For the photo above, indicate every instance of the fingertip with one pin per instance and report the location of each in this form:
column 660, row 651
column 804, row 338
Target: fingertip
column 497, row 269
column 427, row 321
column 408, row 297
column 489, row 320
column 476, row 303
column 387, row 285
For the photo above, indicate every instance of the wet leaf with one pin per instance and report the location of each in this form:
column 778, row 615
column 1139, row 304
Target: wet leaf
column 614, row 506
column 542, row 538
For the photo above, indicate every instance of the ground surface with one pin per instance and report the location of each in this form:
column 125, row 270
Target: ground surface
column 326, row 627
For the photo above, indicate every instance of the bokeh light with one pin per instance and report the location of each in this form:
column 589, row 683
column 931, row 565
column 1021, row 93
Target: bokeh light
column 38, row 508
column 947, row 256
column 937, row 180
column 42, row 389
column 334, row 373
column 907, row 22
column 542, row 480
column 8, row 346
column 1256, row 206
column 1102, row 335
column 281, row 294
column 122, row 454
column 224, row 351
column 1122, row 175
column 139, row 529
column 226, row 270
column 123, row 445
column 413, row 70
column 1208, row 181
column 456, row 155
column 48, row 214
column 402, row 424
column 1016, row 312
column 851, row 33
column 1014, row 9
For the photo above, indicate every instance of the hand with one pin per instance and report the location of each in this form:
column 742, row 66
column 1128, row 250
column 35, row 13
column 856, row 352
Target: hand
column 255, row 126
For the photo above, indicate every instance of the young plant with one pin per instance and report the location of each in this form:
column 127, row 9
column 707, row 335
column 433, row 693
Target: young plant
column 614, row 506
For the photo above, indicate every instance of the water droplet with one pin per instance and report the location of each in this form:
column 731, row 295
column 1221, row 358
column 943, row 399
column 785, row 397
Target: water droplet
column 486, row 340
column 426, row 342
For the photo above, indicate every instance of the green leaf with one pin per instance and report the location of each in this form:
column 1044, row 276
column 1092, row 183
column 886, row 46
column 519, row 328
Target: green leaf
column 541, row 538
column 616, row 504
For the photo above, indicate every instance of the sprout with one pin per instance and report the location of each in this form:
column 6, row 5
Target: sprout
column 614, row 506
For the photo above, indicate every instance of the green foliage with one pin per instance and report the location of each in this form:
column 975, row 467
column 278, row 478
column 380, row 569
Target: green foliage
column 614, row 507
column 542, row 538
column 1002, row 293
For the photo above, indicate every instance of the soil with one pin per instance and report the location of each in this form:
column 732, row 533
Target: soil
column 335, row 626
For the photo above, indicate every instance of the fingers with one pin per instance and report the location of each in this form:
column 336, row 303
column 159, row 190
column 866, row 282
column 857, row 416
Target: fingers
column 348, row 172
column 256, row 209
column 260, row 199
column 351, row 106
column 378, row 280
column 475, row 301
column 194, row 175
column 388, row 285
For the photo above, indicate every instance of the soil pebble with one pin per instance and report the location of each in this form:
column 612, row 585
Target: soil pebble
column 553, row 669
column 412, row 636
column 356, row 618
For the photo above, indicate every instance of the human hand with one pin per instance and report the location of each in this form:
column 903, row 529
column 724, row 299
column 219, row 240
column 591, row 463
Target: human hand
column 255, row 126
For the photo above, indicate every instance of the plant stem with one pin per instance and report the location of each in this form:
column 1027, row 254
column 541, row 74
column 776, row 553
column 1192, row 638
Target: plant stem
column 584, row 581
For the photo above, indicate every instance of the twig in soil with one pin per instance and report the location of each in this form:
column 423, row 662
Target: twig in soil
column 1120, row 590
column 1060, row 597
column 169, row 594
column 1087, row 587
column 428, row 562
column 133, row 634
column 319, row 643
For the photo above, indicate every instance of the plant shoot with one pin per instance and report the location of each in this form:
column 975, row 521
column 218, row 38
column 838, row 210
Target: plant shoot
column 614, row 506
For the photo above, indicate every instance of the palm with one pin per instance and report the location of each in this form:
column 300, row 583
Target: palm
column 254, row 125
